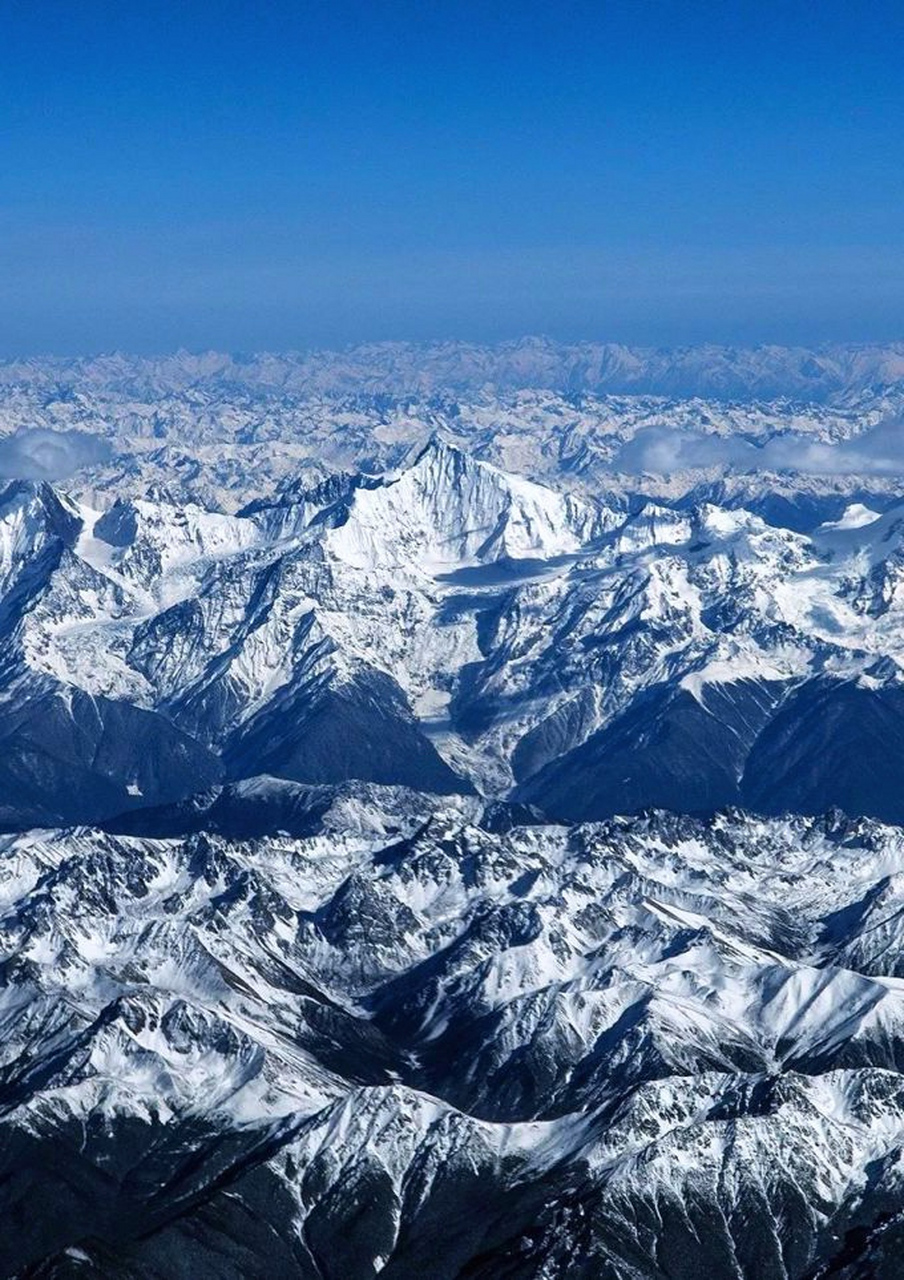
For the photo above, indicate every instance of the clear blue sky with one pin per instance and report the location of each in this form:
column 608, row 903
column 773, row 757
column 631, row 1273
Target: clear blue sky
column 273, row 174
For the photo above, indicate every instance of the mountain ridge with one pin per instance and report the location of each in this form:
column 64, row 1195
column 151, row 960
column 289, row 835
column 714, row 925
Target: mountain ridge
column 624, row 1049
column 816, row 424
column 353, row 917
column 450, row 627
column 405, row 368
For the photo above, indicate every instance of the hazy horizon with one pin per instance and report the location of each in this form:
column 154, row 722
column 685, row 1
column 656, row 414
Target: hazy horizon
column 314, row 349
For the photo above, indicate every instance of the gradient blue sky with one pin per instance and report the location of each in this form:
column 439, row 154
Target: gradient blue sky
column 250, row 175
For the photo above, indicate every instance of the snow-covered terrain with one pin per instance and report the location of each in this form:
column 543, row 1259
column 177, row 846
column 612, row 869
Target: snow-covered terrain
column 449, row 627
column 443, row 1045
column 224, row 429
column 449, row 804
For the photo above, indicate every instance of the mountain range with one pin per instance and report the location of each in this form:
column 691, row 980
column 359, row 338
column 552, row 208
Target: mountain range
column 427, row 1038
column 808, row 425
column 450, row 628
column 426, row 867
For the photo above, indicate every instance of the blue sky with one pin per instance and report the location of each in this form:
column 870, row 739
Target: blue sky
column 244, row 175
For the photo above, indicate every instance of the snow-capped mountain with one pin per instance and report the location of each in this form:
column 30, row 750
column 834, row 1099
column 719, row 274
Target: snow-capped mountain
column 451, row 628
column 417, row 1041
column 323, row 949
column 393, row 368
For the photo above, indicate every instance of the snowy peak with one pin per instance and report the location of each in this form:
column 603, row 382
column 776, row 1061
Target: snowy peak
column 654, row 526
column 35, row 522
column 149, row 540
column 453, row 627
column 33, row 509
column 447, row 510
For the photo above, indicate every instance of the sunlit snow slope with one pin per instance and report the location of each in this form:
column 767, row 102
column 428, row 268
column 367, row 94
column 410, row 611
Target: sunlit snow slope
column 452, row 628
column 419, row 1041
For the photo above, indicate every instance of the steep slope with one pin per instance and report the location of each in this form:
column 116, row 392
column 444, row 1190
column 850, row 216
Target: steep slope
column 645, row 1049
column 452, row 628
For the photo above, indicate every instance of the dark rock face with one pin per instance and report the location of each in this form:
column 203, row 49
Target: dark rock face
column 668, row 751
column 362, row 730
column 118, row 526
column 805, row 749
column 82, row 759
column 832, row 744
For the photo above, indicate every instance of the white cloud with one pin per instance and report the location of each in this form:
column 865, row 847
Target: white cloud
column 662, row 451
column 38, row 453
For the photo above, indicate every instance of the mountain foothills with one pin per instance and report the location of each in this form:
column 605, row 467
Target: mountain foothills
column 451, row 806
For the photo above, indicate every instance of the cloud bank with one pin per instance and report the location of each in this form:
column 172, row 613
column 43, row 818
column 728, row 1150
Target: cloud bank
column 38, row 453
column 663, row 451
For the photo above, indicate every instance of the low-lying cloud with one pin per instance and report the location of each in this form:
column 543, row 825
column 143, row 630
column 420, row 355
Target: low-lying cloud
column 38, row 453
column 663, row 451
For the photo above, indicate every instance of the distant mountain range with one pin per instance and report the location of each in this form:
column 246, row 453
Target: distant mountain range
column 224, row 430
column 415, row 369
